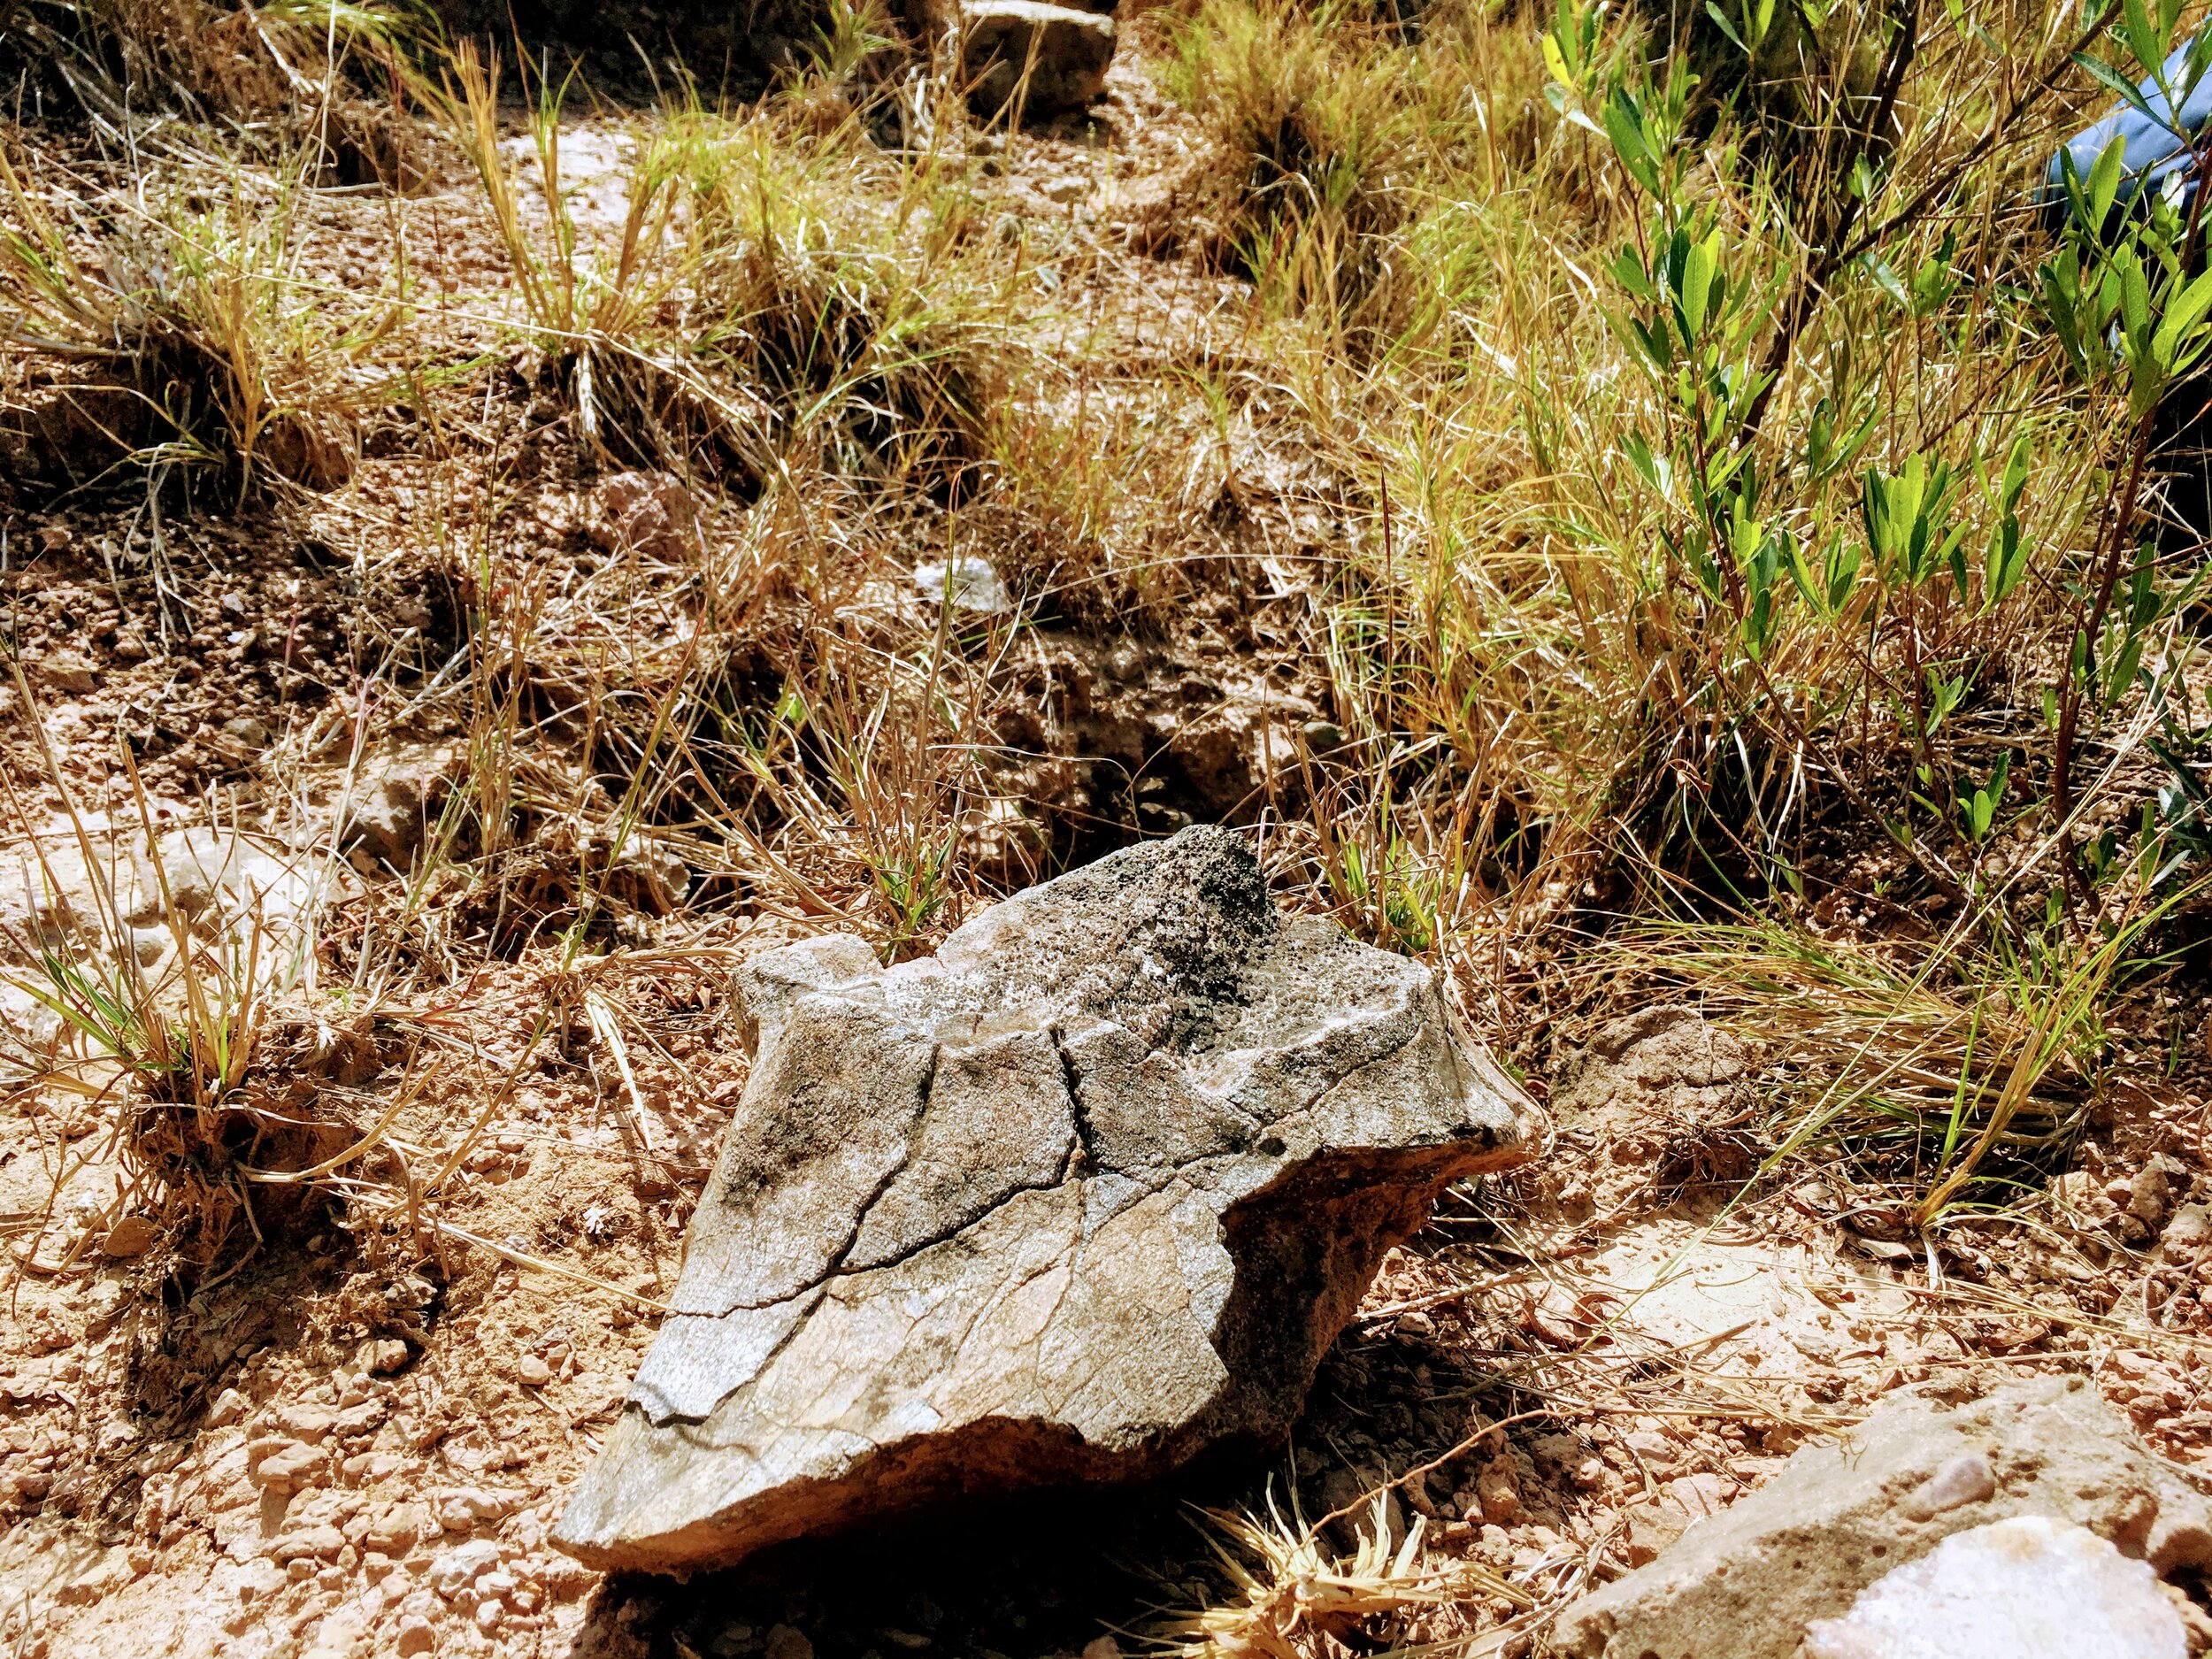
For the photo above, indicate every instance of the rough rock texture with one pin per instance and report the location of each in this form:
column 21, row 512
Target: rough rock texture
column 1061, row 50
column 213, row 881
column 394, row 801
column 1666, row 1058
column 1749, row 1581
column 969, row 584
column 1663, row 1086
column 1088, row 1191
column 2018, row 1589
column 1107, row 738
column 648, row 514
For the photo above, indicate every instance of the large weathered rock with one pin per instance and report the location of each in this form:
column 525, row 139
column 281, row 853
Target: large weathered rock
column 1050, row 57
column 1751, row 1581
column 1090, row 1190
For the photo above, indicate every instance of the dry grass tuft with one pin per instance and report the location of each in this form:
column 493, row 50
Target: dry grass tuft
column 166, row 1055
column 201, row 344
column 1952, row 1075
column 1295, row 1597
column 330, row 78
column 1313, row 135
column 746, row 316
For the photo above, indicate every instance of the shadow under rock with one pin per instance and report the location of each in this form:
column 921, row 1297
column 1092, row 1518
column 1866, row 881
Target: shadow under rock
column 1041, row 1575
column 1047, row 1574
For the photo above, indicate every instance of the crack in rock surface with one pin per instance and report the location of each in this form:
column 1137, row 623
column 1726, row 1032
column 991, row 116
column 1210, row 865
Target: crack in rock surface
column 1089, row 1190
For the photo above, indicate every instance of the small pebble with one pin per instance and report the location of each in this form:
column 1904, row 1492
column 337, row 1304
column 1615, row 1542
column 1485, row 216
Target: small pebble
column 1966, row 1479
column 381, row 1357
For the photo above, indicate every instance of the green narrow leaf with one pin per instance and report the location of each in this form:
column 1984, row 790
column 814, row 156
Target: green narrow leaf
column 2135, row 299
column 2182, row 314
column 2113, row 81
column 1623, row 124
column 2142, row 35
column 1697, row 284
column 2122, row 674
column 1886, row 280
column 1726, row 27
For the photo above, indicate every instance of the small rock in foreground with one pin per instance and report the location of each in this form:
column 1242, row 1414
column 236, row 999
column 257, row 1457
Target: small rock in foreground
column 1750, row 1581
column 1087, row 1191
column 2026, row 1588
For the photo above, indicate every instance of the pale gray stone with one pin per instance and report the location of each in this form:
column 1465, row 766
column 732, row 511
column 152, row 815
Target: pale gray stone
column 2027, row 1588
column 113, row 888
column 394, row 798
column 1750, row 1581
column 969, row 583
column 1089, row 1190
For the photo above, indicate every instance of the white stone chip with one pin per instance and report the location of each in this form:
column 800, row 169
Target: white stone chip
column 453, row 1570
column 1966, row 1479
column 2031, row 1587
column 975, row 585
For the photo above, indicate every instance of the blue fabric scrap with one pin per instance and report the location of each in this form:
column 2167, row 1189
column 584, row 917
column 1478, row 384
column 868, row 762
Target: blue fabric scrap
column 2155, row 148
